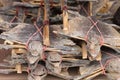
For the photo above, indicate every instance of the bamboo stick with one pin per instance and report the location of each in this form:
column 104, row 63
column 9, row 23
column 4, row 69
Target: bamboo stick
column 19, row 68
column 24, row 17
column 70, row 59
column 93, row 75
column 84, row 50
column 18, row 46
column 89, row 73
column 52, row 49
column 90, row 3
column 46, row 40
column 65, row 16
column 8, row 42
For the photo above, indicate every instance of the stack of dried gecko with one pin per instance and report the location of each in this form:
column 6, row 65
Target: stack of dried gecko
column 53, row 36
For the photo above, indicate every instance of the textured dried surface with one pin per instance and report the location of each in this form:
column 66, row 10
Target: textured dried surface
column 113, row 69
column 82, row 26
column 21, row 33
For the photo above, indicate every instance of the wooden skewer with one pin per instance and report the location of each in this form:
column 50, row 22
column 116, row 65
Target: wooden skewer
column 19, row 68
column 18, row 46
column 83, row 70
column 84, row 50
column 24, row 47
column 24, row 17
column 93, row 75
column 90, row 3
column 65, row 21
column 70, row 56
column 65, row 16
column 70, row 59
column 19, row 51
column 46, row 40
column 97, row 70
column 52, row 49
column 8, row 42
column 89, row 73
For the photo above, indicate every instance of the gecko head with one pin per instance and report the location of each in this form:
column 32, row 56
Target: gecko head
column 93, row 47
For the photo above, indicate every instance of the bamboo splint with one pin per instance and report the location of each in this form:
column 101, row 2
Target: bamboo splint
column 94, row 74
column 89, row 72
column 65, row 16
column 18, row 68
column 46, row 40
column 84, row 50
column 90, row 3
column 24, row 17
column 70, row 59
column 20, row 48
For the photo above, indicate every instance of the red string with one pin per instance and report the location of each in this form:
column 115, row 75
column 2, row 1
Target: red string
column 102, row 67
column 34, row 19
column 13, row 19
column 43, row 55
column 28, row 70
column 46, row 22
column 109, row 60
column 51, row 3
column 17, row 11
column 30, row 39
column 16, row 15
column 39, row 30
column 26, row 12
column 41, row 3
column 111, row 54
column 64, row 7
column 86, row 37
column 44, row 48
column 101, row 36
column 94, row 24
